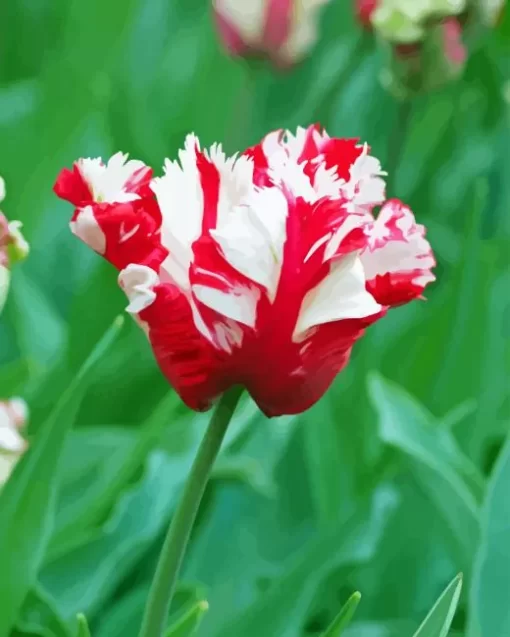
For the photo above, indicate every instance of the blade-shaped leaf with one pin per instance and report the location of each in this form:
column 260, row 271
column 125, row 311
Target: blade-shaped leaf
column 449, row 479
column 490, row 592
column 187, row 625
column 280, row 611
column 28, row 499
column 438, row 621
column 83, row 627
column 343, row 619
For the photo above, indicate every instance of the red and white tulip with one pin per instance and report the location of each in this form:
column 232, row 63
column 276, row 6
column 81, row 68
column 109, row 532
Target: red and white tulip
column 13, row 248
column 13, row 417
column 261, row 269
column 283, row 30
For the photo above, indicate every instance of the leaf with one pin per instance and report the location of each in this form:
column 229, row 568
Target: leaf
column 451, row 481
column 83, row 627
column 28, row 499
column 123, row 618
column 39, row 616
column 491, row 582
column 110, row 552
column 280, row 611
column 344, row 617
column 438, row 621
column 187, row 625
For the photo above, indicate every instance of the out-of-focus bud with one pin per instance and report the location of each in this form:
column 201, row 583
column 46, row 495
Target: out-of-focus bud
column 13, row 248
column 490, row 11
column 429, row 64
column 408, row 21
column 364, row 10
column 455, row 51
column 13, row 418
column 282, row 30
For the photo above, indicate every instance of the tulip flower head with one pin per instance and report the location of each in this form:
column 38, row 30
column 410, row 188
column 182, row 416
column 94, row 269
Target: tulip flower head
column 13, row 417
column 364, row 11
column 13, row 248
column 261, row 269
column 282, row 30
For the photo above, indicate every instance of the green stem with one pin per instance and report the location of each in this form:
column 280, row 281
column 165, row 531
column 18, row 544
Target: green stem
column 170, row 560
column 396, row 142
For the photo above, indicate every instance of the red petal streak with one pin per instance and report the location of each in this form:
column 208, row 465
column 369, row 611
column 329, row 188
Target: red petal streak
column 229, row 36
column 395, row 289
column 261, row 166
column 71, row 186
column 397, row 257
column 210, row 182
column 284, row 376
column 209, row 268
column 192, row 366
column 293, row 384
column 310, row 148
column 341, row 153
column 277, row 24
column 131, row 231
column 139, row 182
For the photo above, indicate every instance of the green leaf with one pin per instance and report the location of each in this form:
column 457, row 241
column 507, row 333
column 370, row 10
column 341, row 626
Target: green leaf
column 448, row 477
column 28, row 499
column 344, row 617
column 39, row 616
column 281, row 610
column 491, row 582
column 438, row 621
column 108, row 554
column 83, row 627
column 187, row 625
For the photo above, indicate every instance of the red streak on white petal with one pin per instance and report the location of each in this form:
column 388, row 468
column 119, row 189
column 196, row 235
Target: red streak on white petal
column 398, row 260
column 277, row 23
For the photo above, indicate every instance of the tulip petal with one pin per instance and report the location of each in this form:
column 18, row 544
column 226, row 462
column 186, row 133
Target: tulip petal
column 340, row 295
column 398, row 260
column 195, row 368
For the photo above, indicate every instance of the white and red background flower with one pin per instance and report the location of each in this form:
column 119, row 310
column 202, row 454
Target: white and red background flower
column 261, row 269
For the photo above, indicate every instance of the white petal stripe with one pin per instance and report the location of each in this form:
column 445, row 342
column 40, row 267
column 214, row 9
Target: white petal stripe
column 341, row 295
column 86, row 228
column 138, row 282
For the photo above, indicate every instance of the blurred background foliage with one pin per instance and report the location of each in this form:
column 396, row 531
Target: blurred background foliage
column 388, row 485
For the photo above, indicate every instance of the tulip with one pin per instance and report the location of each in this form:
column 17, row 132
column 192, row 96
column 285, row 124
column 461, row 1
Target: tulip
column 364, row 10
column 408, row 21
column 259, row 270
column 13, row 417
column 282, row 30
column 13, row 248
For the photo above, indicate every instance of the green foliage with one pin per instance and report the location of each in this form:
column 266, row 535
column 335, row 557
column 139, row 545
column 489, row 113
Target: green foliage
column 83, row 627
column 188, row 623
column 383, row 486
column 438, row 621
column 491, row 581
column 27, row 501
column 344, row 617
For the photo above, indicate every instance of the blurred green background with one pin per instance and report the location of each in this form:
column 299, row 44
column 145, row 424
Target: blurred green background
column 388, row 485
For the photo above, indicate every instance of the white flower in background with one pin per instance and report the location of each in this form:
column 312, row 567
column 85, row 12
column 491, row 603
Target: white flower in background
column 283, row 30
column 491, row 11
column 13, row 248
column 13, row 418
column 406, row 21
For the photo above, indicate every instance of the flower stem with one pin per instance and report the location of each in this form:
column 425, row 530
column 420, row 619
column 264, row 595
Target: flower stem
column 170, row 560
